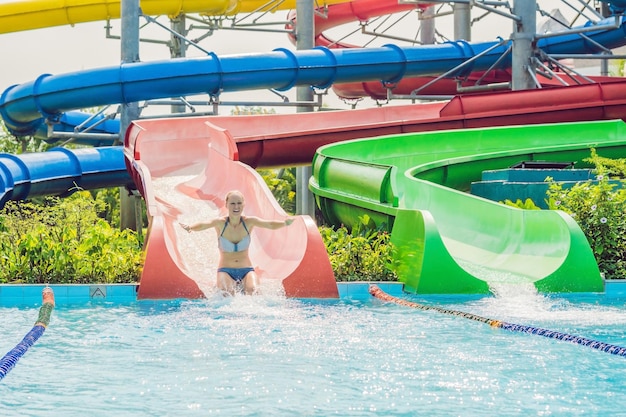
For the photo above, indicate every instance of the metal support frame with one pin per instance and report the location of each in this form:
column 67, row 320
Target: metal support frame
column 84, row 130
column 490, row 9
column 384, row 35
column 462, row 22
column 191, row 105
column 585, row 7
column 209, row 25
column 414, row 93
column 587, row 29
column 250, row 22
column 567, row 70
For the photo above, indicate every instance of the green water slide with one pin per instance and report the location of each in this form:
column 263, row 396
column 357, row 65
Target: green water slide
column 449, row 241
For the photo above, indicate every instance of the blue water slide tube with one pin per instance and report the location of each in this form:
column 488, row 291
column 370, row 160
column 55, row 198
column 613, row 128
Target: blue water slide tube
column 61, row 171
column 24, row 107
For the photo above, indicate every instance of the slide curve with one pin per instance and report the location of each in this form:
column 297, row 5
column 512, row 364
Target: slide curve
column 448, row 240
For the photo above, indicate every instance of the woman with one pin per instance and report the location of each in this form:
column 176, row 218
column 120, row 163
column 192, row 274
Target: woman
column 235, row 267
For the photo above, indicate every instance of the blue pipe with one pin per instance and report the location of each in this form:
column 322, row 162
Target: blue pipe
column 23, row 106
column 61, row 171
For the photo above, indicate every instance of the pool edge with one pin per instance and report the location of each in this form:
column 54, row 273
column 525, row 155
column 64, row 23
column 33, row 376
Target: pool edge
column 18, row 295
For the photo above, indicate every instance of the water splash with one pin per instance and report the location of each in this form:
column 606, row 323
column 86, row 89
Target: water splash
column 524, row 303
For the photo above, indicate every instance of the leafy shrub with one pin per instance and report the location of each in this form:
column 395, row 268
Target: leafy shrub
column 599, row 208
column 282, row 183
column 108, row 204
column 64, row 241
column 365, row 254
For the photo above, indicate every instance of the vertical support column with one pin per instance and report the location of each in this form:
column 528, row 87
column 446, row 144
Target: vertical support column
column 305, row 39
column 604, row 63
column 523, row 44
column 129, row 53
column 129, row 111
column 462, row 22
column 427, row 26
column 178, row 48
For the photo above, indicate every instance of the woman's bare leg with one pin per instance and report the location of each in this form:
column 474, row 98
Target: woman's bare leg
column 225, row 283
column 250, row 284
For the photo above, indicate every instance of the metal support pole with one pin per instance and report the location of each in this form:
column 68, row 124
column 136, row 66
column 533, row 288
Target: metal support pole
column 604, row 64
column 427, row 26
column 178, row 48
column 305, row 30
column 129, row 111
column 129, row 53
column 523, row 44
column 462, row 22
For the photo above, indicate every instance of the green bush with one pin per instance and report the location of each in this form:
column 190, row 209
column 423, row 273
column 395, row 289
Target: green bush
column 599, row 208
column 108, row 204
column 282, row 184
column 64, row 241
column 365, row 254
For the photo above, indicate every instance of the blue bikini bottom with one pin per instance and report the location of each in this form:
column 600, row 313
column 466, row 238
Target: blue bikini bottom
column 238, row 274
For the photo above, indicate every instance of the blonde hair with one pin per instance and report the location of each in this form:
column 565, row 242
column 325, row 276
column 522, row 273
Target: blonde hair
column 232, row 193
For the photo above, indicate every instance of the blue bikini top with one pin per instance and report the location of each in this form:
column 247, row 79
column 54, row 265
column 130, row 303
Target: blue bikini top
column 227, row 246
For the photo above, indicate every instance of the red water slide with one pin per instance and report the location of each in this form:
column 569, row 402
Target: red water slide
column 287, row 140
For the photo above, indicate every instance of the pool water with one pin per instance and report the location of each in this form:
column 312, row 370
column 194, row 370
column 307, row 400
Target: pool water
column 271, row 356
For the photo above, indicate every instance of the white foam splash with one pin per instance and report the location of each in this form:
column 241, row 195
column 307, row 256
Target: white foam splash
column 523, row 304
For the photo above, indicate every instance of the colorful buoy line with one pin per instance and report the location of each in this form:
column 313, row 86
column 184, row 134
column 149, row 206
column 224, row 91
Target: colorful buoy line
column 10, row 359
column 594, row 344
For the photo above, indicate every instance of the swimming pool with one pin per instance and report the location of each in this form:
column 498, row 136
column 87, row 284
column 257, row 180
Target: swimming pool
column 267, row 355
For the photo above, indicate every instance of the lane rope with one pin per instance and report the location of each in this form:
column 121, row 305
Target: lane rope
column 10, row 359
column 375, row 291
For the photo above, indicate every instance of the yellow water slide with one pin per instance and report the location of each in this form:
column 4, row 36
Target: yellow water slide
column 23, row 15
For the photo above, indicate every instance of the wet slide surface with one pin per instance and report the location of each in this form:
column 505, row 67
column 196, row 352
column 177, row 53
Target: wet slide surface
column 184, row 168
column 451, row 241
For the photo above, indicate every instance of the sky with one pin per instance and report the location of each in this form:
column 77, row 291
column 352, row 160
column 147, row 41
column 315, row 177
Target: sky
column 27, row 55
